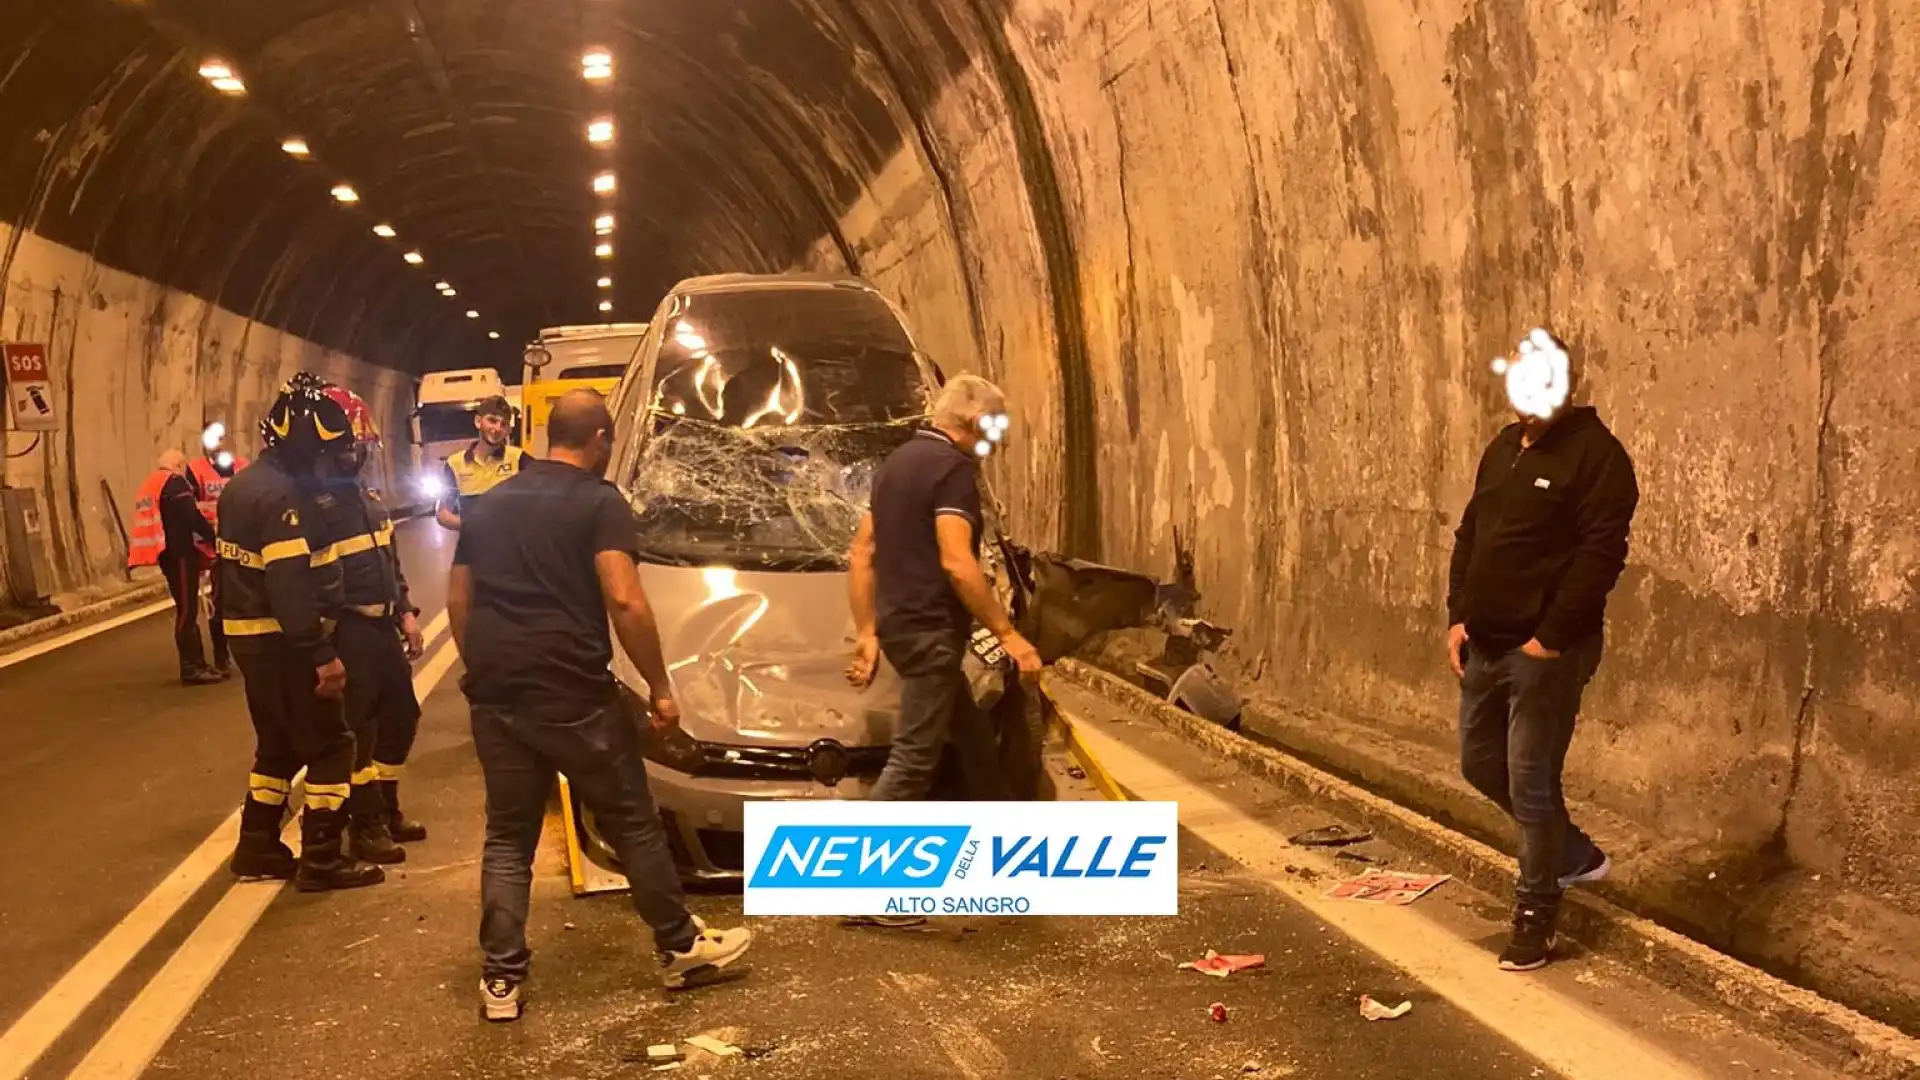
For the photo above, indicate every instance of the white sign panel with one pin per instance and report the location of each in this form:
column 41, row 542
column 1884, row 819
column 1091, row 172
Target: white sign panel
column 844, row 857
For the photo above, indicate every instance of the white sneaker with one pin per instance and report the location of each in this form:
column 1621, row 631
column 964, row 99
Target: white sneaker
column 710, row 951
column 499, row 1000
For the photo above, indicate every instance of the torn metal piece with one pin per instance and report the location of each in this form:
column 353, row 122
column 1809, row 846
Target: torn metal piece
column 711, row 1045
column 1330, row 836
column 1222, row 966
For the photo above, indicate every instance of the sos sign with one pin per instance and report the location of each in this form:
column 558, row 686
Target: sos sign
column 29, row 387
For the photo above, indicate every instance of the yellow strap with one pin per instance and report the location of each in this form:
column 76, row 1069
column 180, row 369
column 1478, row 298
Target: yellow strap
column 250, row 627
column 286, row 549
column 363, row 777
column 389, row 772
column 352, row 545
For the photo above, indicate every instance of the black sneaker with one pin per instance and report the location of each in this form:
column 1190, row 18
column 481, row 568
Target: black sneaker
column 500, row 1000
column 1532, row 943
column 1594, row 869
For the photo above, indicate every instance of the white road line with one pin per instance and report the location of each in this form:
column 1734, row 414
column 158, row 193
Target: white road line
column 60, row 1006
column 142, row 1031
column 1561, row 1032
column 50, row 1017
column 81, row 633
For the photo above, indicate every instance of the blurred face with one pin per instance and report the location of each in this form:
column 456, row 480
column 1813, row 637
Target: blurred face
column 990, row 433
column 1539, row 378
column 493, row 429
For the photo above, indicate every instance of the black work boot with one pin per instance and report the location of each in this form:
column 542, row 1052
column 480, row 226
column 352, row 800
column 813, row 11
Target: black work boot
column 399, row 826
column 324, row 864
column 1531, row 946
column 369, row 840
column 260, row 853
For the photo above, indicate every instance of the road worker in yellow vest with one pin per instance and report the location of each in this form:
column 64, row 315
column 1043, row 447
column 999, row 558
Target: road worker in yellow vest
column 479, row 468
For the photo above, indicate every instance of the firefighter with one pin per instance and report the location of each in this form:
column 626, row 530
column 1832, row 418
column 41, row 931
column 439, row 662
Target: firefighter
column 167, row 531
column 211, row 471
column 281, row 587
column 379, row 636
column 485, row 462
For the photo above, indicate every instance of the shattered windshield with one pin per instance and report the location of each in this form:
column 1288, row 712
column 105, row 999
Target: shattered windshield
column 769, row 412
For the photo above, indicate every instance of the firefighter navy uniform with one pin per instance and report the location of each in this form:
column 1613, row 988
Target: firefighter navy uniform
column 382, row 712
column 282, row 589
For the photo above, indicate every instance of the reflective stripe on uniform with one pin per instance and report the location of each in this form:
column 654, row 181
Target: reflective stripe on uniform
column 328, row 796
column 372, row 611
column 388, row 772
column 270, row 790
column 363, row 777
column 250, row 627
column 285, row 549
column 355, row 545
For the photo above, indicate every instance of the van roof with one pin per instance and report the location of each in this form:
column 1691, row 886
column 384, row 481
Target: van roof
column 743, row 282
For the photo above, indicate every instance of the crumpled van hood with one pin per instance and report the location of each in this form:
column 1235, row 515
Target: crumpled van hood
column 759, row 657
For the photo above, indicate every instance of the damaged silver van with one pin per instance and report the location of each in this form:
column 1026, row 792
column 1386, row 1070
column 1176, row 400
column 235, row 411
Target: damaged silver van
column 747, row 434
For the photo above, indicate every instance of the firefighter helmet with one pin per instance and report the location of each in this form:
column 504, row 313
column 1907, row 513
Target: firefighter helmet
column 304, row 421
column 359, row 414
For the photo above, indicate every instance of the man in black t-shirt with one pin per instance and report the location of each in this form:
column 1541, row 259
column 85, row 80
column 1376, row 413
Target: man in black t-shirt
column 917, row 588
column 547, row 562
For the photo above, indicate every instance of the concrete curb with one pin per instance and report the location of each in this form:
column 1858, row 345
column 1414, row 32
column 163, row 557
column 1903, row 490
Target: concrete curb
column 1864, row 1046
column 134, row 597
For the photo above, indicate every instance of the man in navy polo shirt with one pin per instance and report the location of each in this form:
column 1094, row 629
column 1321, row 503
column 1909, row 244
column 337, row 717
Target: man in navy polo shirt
column 917, row 588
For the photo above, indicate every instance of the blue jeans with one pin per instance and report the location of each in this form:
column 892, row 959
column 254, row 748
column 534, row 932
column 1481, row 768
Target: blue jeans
column 936, row 706
column 1516, row 723
column 600, row 754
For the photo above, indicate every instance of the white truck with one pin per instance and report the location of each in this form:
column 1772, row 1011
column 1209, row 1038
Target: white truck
column 443, row 422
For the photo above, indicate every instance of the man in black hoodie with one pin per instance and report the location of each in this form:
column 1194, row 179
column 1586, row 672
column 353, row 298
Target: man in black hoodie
column 1539, row 547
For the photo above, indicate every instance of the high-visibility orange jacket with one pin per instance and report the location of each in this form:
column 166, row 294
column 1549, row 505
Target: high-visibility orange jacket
column 148, row 536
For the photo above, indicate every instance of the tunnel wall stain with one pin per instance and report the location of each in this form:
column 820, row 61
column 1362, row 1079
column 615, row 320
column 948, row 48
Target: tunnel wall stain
column 138, row 368
column 1302, row 231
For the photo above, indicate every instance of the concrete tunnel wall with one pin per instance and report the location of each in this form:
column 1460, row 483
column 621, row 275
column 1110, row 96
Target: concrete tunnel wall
column 1242, row 266
column 1276, row 247
column 137, row 368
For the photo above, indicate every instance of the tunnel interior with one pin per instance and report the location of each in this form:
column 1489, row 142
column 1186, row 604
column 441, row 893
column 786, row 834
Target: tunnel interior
column 1240, row 265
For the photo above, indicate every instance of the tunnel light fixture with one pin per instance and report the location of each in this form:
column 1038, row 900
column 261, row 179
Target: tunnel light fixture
column 297, row 148
column 605, row 183
column 230, row 86
column 448, row 292
column 493, row 335
column 215, row 69
column 345, row 193
column 384, row 231
column 414, row 258
column 606, row 283
column 600, row 132
column 596, row 65
column 603, row 225
column 605, row 251
column 472, row 314
column 606, row 305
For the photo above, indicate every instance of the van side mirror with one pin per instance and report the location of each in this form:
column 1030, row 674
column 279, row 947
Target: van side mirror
column 536, row 356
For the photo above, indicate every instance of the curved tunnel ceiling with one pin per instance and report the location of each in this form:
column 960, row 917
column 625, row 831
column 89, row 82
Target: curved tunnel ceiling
column 741, row 130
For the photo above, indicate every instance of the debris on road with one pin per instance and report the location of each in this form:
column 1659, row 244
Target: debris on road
column 1373, row 1010
column 1218, row 1010
column 1330, row 836
column 1076, row 772
column 1215, row 964
column 1360, row 857
column 711, row 1045
column 664, row 1053
column 1386, row 887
